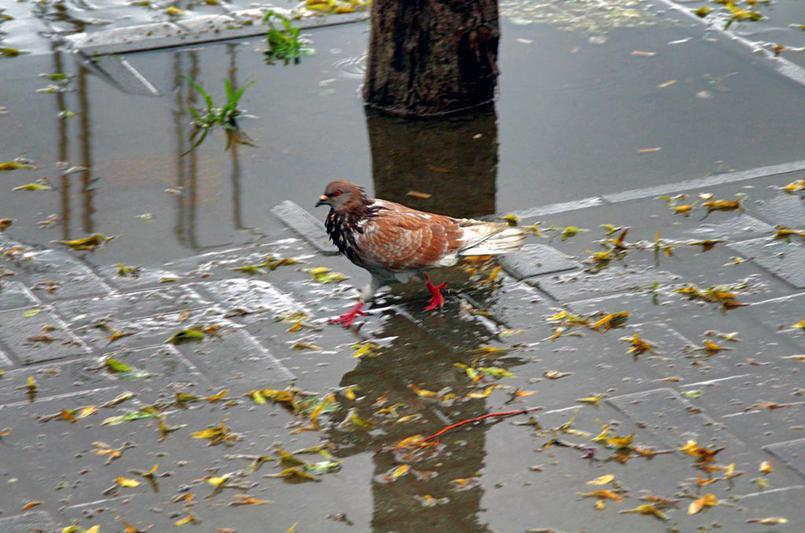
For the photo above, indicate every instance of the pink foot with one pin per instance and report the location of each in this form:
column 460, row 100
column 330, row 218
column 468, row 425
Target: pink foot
column 349, row 317
column 436, row 298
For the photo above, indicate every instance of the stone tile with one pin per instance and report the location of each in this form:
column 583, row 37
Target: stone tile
column 16, row 332
column 536, row 259
column 674, row 420
column 783, row 209
column 88, row 312
column 222, row 264
column 784, row 259
column 732, row 229
column 792, row 453
column 308, row 226
column 783, row 502
column 13, row 295
column 257, row 297
column 780, row 314
column 72, row 277
column 161, row 365
column 150, row 330
column 582, row 285
column 54, row 379
column 33, row 522
column 238, row 361
column 145, row 278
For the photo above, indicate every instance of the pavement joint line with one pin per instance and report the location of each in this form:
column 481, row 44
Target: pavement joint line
column 657, row 190
column 759, row 410
column 780, row 298
column 772, row 491
column 717, row 380
column 66, row 395
column 783, row 66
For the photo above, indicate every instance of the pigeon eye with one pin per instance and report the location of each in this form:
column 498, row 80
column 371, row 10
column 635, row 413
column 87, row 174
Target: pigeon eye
column 337, row 193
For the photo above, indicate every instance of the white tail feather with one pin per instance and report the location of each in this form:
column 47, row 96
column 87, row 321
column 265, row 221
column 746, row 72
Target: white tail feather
column 490, row 238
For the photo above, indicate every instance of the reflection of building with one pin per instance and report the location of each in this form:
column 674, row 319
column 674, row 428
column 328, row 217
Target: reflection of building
column 454, row 159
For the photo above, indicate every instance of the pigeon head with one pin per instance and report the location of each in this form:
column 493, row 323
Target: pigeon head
column 343, row 196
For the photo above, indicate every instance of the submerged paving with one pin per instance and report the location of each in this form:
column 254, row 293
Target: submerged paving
column 94, row 395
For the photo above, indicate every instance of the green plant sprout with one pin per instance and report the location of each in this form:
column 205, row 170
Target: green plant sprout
column 284, row 40
column 225, row 116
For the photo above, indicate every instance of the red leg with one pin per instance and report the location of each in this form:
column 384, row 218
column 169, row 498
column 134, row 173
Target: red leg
column 347, row 318
column 436, row 298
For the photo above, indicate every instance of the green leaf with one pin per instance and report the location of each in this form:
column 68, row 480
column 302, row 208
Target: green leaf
column 186, row 335
column 116, row 366
column 131, row 416
column 33, row 186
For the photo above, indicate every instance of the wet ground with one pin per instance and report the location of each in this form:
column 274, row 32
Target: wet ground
column 616, row 97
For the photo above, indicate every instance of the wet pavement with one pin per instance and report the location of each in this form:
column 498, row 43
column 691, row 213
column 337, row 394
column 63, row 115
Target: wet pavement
column 585, row 133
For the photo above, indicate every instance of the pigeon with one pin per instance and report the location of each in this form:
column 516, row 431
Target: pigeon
column 394, row 242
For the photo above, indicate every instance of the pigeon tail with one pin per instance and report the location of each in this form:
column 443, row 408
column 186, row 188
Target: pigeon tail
column 491, row 238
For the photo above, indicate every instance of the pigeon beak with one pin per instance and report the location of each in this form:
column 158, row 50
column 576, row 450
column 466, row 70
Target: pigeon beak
column 322, row 200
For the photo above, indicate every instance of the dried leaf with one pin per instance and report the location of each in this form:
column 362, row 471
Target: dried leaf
column 602, row 480
column 646, row 509
column 708, row 500
column 325, row 275
column 86, row 243
column 592, row 400
column 603, row 494
column 245, row 499
column 769, row 521
column 397, row 472
column 126, row 482
column 556, row 374
column 418, row 195
column 33, row 186
column 765, row 468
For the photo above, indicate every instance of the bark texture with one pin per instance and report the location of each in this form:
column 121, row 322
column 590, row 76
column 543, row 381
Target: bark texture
column 432, row 57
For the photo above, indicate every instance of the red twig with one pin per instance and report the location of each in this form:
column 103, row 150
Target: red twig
column 499, row 414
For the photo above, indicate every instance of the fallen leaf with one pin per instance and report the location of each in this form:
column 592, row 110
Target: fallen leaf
column 511, row 219
column 556, row 374
column 708, row 500
column 570, row 231
column 5, row 223
column 33, row 186
column 30, row 505
column 794, row 186
column 769, row 521
column 86, row 243
column 126, row 482
column 294, row 472
column 765, row 468
column 245, row 499
column 646, row 509
column 397, row 472
column 186, row 335
column 639, row 346
column 602, row 480
column 189, row 519
column 610, row 321
column 325, row 275
column 603, row 494
column 592, row 400
column 418, row 195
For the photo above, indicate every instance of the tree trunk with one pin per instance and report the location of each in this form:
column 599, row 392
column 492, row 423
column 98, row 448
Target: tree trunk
column 432, row 57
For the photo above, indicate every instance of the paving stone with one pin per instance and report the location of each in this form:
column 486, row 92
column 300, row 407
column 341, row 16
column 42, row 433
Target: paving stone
column 783, row 209
column 145, row 277
column 784, row 259
column 13, row 295
column 33, row 522
column 17, row 330
column 536, row 259
column 161, row 365
column 150, row 330
column 122, row 307
column 783, row 502
column 791, row 453
column 73, row 278
column 251, row 295
column 222, row 264
column 732, row 229
column 674, row 420
column 306, row 225
column 780, row 314
column 54, row 379
column 5, row 362
column 238, row 361
column 582, row 285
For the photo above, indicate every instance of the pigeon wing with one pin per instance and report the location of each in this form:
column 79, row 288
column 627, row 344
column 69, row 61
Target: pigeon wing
column 400, row 239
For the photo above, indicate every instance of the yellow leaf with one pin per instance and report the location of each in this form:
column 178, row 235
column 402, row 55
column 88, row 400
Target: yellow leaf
column 766, row 468
column 602, row 480
column 127, row 482
column 620, row 442
column 294, row 472
column 511, row 219
column 795, row 186
column 646, row 509
column 189, row 519
column 423, row 393
column 365, row 349
column 600, row 505
column 592, row 400
column 217, row 481
column 612, row 320
column 397, row 473
column 603, row 494
column 769, row 521
column 245, row 499
column 218, row 396
column 708, row 500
